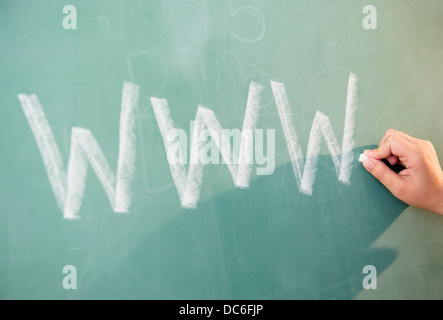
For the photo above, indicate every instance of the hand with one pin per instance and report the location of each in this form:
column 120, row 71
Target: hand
column 420, row 184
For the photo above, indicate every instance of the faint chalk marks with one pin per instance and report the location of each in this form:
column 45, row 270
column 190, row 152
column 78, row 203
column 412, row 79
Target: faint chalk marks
column 250, row 73
column 3, row 197
column 247, row 24
column 148, row 69
column 386, row 120
column 32, row 35
column 104, row 23
column 128, row 7
column 147, row 145
column 189, row 30
column 80, row 248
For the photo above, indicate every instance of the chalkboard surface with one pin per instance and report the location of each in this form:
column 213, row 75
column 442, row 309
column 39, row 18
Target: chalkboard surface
column 106, row 105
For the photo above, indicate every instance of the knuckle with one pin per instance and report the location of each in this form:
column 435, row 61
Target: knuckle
column 390, row 132
column 425, row 146
column 428, row 144
column 389, row 139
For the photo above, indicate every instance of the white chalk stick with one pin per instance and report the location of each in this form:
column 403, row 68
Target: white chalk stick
column 362, row 158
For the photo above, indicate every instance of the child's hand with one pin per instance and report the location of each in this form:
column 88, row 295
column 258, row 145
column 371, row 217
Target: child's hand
column 420, row 184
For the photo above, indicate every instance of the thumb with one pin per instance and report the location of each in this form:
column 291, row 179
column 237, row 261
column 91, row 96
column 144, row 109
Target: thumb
column 391, row 180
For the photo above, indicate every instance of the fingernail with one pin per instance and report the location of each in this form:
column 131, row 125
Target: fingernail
column 369, row 164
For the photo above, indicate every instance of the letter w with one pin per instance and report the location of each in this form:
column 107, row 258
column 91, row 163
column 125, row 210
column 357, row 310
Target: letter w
column 321, row 127
column 188, row 181
column 69, row 188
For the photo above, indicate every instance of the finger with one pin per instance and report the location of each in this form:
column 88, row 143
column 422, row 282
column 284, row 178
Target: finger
column 393, row 160
column 394, row 132
column 392, row 181
column 390, row 132
column 393, row 145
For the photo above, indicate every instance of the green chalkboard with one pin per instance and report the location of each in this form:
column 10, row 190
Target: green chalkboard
column 104, row 104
